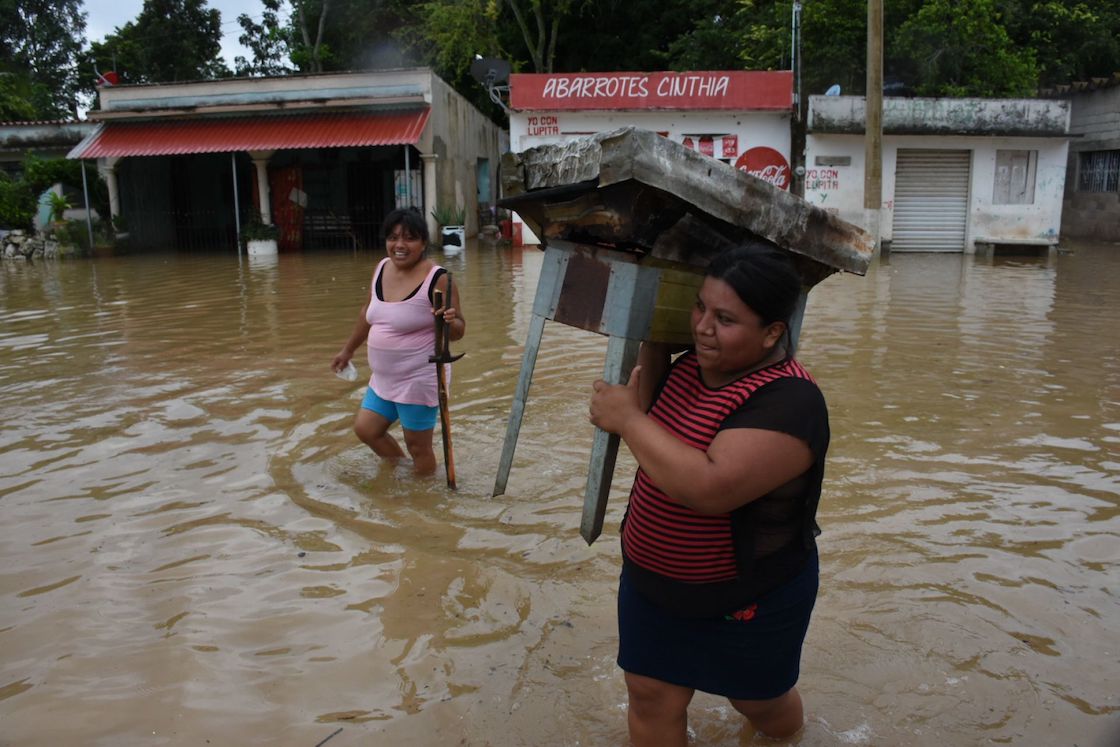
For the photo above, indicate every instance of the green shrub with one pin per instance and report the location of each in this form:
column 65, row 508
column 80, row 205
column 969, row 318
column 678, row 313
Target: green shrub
column 17, row 203
column 19, row 197
column 256, row 230
column 59, row 205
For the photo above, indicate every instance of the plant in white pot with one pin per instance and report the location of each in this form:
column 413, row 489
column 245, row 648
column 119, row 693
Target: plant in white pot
column 452, row 230
column 260, row 238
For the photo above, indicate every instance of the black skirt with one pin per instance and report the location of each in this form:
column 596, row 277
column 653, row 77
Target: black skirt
column 751, row 654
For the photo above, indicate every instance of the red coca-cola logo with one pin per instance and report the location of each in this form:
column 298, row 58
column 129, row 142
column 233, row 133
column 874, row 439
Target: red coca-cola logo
column 767, row 164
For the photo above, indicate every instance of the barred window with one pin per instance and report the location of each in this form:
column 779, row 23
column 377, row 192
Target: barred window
column 1099, row 171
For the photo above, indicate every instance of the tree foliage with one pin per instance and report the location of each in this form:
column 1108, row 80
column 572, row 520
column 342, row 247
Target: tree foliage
column 309, row 52
column 171, row 40
column 933, row 47
column 268, row 41
column 19, row 195
column 1071, row 40
column 40, row 41
column 959, row 48
column 16, row 95
column 452, row 32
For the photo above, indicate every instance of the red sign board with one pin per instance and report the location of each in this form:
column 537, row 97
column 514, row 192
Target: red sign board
column 730, row 146
column 739, row 90
column 707, row 146
column 767, row 164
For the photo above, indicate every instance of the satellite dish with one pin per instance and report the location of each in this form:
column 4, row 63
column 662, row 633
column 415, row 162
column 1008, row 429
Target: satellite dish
column 834, row 90
column 490, row 70
column 493, row 74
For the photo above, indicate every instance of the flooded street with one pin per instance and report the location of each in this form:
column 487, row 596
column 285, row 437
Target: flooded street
column 194, row 548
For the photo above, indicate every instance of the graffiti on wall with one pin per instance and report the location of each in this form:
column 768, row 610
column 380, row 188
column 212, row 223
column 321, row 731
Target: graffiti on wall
column 544, row 124
column 822, row 180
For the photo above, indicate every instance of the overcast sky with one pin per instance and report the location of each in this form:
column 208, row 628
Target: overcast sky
column 102, row 16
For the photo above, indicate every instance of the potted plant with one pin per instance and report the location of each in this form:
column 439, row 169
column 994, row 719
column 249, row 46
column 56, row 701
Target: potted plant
column 58, row 205
column 260, row 238
column 452, row 230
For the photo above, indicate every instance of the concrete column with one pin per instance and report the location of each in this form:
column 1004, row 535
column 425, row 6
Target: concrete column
column 107, row 167
column 264, row 194
column 873, row 128
column 430, row 193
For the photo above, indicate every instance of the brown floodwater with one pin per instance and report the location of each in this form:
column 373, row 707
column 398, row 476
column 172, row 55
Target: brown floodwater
column 195, row 550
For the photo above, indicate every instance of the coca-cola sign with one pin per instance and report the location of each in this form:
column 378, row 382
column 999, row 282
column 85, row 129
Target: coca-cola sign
column 767, row 164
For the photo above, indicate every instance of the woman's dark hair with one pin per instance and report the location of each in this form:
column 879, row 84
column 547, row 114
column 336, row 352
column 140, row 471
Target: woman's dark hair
column 763, row 277
column 409, row 219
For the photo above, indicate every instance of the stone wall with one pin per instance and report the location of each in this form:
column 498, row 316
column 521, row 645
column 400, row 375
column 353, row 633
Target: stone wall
column 22, row 245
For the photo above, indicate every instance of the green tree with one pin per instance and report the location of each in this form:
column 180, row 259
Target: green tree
column 452, row 32
column 171, row 40
column 268, row 41
column 540, row 23
column 959, row 48
column 40, row 41
column 1071, row 40
column 330, row 35
column 310, row 22
column 15, row 98
column 643, row 35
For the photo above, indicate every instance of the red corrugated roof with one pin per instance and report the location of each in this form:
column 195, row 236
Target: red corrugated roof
column 225, row 135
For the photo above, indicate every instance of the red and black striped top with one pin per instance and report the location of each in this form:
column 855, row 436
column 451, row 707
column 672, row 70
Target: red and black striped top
column 662, row 535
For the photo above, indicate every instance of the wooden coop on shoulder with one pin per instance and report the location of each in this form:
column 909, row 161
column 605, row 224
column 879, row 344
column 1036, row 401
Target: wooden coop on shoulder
column 628, row 220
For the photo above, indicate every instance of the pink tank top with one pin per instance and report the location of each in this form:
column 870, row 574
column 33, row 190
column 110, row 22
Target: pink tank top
column 401, row 337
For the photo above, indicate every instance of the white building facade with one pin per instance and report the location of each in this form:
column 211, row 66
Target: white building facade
column 739, row 117
column 957, row 174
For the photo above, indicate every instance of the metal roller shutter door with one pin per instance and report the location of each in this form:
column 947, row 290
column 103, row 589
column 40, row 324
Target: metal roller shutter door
column 930, row 200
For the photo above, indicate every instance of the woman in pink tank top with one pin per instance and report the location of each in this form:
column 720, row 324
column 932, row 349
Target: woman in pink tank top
column 397, row 325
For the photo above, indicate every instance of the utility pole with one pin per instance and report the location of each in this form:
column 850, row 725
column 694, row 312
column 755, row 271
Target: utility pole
column 873, row 128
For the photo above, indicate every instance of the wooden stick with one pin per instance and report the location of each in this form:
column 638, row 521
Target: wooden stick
column 443, row 356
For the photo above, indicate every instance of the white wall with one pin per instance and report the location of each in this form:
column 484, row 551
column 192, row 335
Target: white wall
column 836, row 187
column 1042, row 219
column 839, row 189
column 528, row 129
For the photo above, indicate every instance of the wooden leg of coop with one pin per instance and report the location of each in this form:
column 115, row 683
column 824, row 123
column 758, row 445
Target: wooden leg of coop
column 549, row 286
column 622, row 354
column 517, row 411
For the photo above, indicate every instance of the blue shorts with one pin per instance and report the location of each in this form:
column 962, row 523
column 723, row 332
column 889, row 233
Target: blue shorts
column 412, row 417
column 752, row 654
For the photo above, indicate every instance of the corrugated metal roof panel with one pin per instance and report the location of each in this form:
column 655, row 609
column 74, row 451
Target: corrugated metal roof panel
column 226, row 135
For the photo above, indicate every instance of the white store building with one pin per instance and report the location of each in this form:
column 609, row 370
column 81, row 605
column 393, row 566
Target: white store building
column 739, row 117
column 956, row 173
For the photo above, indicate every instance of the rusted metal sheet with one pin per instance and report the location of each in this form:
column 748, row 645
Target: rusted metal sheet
column 636, row 191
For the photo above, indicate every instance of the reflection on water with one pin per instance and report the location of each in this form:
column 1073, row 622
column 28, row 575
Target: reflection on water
column 194, row 547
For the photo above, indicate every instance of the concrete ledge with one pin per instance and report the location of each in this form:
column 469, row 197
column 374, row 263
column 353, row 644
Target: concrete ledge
column 1023, row 247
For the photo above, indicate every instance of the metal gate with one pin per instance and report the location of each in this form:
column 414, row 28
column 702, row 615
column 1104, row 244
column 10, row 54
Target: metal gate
column 930, row 200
